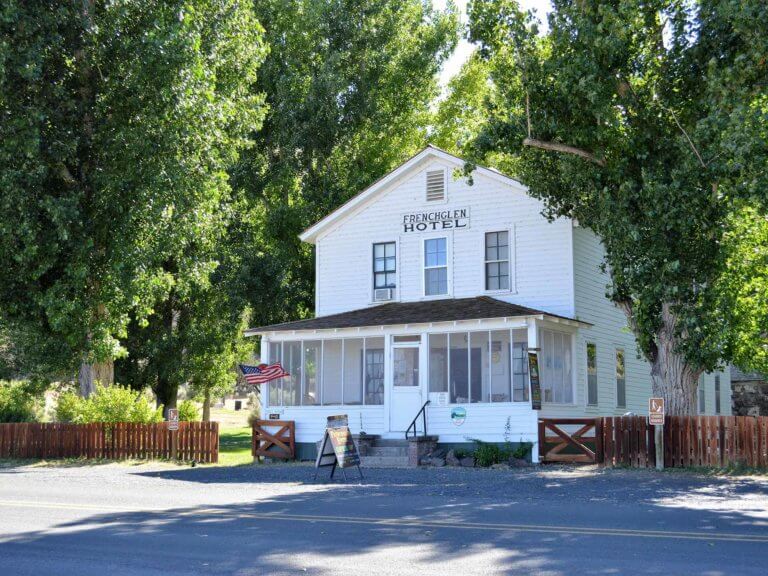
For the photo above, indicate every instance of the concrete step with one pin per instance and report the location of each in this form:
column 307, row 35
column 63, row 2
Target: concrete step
column 389, row 442
column 384, row 461
column 387, row 451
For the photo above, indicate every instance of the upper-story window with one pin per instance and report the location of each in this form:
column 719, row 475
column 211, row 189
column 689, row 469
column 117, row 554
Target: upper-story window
column 435, row 266
column 497, row 261
column 435, row 185
column 384, row 265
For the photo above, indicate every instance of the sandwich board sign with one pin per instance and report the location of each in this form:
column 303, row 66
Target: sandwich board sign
column 656, row 411
column 173, row 419
column 338, row 449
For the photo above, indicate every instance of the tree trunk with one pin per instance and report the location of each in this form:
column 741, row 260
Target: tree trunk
column 672, row 377
column 167, row 394
column 207, row 406
column 92, row 372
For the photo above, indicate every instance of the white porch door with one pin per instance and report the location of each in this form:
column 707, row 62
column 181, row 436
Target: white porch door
column 406, row 386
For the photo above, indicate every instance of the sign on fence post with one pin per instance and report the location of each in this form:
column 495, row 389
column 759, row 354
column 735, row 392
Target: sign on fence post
column 656, row 419
column 173, row 426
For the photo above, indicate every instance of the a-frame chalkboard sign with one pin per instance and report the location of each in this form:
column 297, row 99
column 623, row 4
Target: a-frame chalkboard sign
column 338, row 448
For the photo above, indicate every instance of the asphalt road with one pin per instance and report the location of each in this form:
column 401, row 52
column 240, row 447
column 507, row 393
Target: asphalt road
column 113, row 520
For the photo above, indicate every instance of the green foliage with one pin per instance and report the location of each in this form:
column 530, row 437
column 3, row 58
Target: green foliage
column 522, row 450
column 487, row 454
column 108, row 404
column 254, row 409
column 17, row 403
column 188, row 411
column 663, row 117
column 119, row 123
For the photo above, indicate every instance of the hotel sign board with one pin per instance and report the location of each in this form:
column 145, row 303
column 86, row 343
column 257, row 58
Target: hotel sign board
column 656, row 411
column 435, row 220
column 338, row 448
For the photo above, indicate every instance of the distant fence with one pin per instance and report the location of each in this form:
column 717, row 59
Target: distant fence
column 689, row 441
column 197, row 441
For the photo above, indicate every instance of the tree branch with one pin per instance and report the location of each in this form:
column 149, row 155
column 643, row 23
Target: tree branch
column 565, row 149
column 690, row 142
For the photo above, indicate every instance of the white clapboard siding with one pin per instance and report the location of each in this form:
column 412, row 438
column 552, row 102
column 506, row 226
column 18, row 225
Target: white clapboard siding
column 541, row 261
column 484, row 422
column 311, row 420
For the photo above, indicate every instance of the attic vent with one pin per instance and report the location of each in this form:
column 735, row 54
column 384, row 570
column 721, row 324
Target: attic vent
column 435, row 185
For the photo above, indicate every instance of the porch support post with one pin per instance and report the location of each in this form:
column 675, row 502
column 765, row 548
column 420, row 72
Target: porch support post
column 533, row 344
column 533, row 334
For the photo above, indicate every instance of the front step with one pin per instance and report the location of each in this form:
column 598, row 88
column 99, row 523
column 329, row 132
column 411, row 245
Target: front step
column 387, row 451
column 384, row 461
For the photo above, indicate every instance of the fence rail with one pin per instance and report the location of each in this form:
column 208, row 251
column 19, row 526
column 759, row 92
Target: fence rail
column 689, row 441
column 197, row 441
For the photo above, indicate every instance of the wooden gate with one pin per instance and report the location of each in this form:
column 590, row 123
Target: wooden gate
column 573, row 446
column 280, row 444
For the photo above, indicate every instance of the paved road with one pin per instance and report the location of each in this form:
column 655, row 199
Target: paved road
column 114, row 520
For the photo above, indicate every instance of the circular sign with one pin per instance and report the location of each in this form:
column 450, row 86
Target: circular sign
column 458, row 415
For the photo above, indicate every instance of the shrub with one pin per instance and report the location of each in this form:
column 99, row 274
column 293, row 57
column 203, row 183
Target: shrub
column 188, row 411
column 17, row 404
column 489, row 454
column 254, row 407
column 108, row 404
column 522, row 450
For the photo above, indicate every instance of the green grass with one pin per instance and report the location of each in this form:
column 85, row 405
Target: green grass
column 235, row 447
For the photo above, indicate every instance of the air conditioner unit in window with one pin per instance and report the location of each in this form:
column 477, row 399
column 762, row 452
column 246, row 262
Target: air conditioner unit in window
column 383, row 294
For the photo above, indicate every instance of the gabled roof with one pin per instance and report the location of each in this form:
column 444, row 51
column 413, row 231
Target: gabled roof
column 413, row 163
column 422, row 312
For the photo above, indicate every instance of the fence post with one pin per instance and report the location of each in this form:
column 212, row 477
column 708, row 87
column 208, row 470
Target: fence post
column 658, row 432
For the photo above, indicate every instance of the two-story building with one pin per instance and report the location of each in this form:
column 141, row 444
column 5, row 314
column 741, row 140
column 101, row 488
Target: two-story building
column 431, row 287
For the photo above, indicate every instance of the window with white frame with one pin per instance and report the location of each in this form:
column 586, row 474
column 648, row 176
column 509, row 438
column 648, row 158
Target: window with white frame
column 339, row 371
column 435, row 266
column 591, row 374
column 384, row 265
column 478, row 366
column 556, row 368
column 718, row 407
column 497, row 260
column 621, row 380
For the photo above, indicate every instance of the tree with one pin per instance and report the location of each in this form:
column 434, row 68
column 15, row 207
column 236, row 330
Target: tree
column 119, row 122
column 349, row 85
column 645, row 122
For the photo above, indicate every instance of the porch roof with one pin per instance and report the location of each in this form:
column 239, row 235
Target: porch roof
column 423, row 312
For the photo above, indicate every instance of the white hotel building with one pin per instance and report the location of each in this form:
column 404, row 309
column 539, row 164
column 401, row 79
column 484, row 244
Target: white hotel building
column 429, row 288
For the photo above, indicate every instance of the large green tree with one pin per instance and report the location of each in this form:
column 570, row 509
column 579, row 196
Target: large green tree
column 349, row 86
column 646, row 122
column 119, row 120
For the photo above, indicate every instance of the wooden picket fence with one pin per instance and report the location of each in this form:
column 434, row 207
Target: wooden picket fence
column 689, row 441
column 198, row 441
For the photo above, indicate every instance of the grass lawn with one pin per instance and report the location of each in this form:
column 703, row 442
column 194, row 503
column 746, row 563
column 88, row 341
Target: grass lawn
column 235, row 446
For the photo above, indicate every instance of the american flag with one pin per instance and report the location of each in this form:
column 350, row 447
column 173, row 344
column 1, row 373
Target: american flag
column 262, row 373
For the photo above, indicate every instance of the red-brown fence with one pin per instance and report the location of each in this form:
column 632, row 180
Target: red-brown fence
column 689, row 441
column 197, row 441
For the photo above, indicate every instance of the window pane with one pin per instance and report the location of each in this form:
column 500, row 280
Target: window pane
column 438, row 362
column 502, row 238
column 374, row 370
column 378, row 250
column 275, row 387
column 292, row 383
column 500, row 366
column 380, row 280
column 436, row 281
column 332, row 372
column 459, row 369
column 491, row 253
column 353, row 371
column 556, row 369
column 378, row 265
column 405, row 366
column 621, row 388
column 390, row 264
column 702, row 396
column 480, row 382
column 717, row 395
column 311, row 394
column 591, row 374
column 490, row 239
column 442, row 279
column 520, row 366
column 390, row 279
column 504, row 283
column 389, row 250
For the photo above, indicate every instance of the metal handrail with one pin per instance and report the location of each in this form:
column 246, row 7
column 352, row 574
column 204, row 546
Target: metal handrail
column 423, row 414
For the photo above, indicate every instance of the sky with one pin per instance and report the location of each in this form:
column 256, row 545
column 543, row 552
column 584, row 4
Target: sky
column 464, row 49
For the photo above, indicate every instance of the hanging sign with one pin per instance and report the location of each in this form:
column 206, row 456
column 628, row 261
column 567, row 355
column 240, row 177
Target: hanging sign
column 533, row 375
column 173, row 419
column 656, row 411
column 435, row 220
column 338, row 448
column 458, row 415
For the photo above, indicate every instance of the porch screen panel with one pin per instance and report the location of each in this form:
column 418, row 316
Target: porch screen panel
column 374, row 371
column 479, row 369
column 459, row 368
column 557, row 386
column 275, row 387
column 312, row 372
column 520, row 383
column 438, row 363
column 332, row 372
column 292, row 383
column 353, row 371
column 500, row 366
